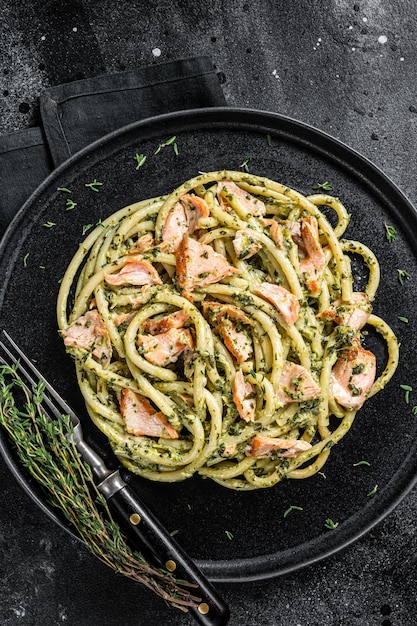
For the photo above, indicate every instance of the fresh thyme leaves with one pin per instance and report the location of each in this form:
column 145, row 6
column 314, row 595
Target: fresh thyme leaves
column 64, row 189
column 87, row 227
column 330, row 524
column 407, row 389
column 70, row 204
column 46, row 449
column 49, row 224
column 292, row 508
column 361, row 463
column 25, row 259
column 245, row 164
column 390, row 233
column 94, row 185
column 168, row 142
column 268, row 139
column 403, row 319
column 373, row 491
column 414, row 410
column 140, row 160
column 229, row 535
column 326, row 186
column 402, row 275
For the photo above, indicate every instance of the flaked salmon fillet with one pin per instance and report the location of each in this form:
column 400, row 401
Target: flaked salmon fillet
column 165, row 348
column 296, row 384
column 227, row 319
column 245, row 246
column 135, row 271
column 89, row 333
column 234, row 195
column 244, row 397
column 354, row 314
column 178, row 319
column 143, row 243
column 352, row 377
column 198, row 265
column 263, row 447
column 183, row 219
column 141, row 418
column 314, row 262
column 284, row 301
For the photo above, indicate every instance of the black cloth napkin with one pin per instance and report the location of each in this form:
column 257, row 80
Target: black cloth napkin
column 75, row 114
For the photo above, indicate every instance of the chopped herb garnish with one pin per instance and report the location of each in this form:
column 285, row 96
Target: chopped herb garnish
column 174, row 532
column 403, row 319
column 168, row 142
column 70, row 205
column 390, row 233
column 326, row 186
column 407, row 390
column 414, row 410
column 64, row 189
column 49, row 224
column 322, row 474
column 25, row 259
column 402, row 275
column 229, row 535
column 175, row 146
column 93, row 186
column 87, row 227
column 330, row 524
column 268, row 139
column 292, row 508
column 140, row 160
column 373, row 491
column 361, row 463
column 245, row 164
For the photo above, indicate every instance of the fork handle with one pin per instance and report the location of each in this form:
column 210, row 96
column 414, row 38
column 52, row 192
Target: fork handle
column 154, row 541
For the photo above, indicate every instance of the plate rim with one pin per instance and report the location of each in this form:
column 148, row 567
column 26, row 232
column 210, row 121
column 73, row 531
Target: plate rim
column 263, row 566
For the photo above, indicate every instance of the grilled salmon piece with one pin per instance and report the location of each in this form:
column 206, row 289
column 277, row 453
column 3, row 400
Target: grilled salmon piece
column 198, row 265
column 143, row 243
column 314, row 262
column 135, row 271
column 141, row 418
column 276, row 234
column 244, row 397
column 165, row 348
column 263, row 447
column 284, row 301
column 352, row 377
column 354, row 314
column 183, row 219
column 178, row 319
column 296, row 384
column 216, row 311
column 90, row 333
column 245, row 246
column 237, row 197
column 227, row 319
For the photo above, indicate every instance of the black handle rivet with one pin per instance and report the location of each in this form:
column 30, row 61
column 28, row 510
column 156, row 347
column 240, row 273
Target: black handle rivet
column 171, row 566
column 203, row 608
column 135, row 519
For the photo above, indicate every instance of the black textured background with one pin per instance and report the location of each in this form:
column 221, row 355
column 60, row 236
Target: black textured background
column 345, row 67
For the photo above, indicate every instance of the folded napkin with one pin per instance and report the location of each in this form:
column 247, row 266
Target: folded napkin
column 75, row 114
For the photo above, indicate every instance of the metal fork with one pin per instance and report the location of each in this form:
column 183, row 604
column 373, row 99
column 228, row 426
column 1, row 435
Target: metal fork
column 151, row 537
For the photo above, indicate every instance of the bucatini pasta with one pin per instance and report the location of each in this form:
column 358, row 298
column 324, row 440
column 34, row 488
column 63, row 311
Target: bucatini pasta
column 216, row 331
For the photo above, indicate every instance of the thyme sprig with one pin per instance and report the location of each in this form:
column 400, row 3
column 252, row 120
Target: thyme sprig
column 46, row 449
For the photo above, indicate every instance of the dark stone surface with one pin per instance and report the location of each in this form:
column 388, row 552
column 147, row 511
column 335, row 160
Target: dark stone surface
column 345, row 66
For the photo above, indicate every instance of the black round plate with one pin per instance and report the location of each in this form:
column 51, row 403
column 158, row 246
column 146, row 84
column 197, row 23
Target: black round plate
column 233, row 536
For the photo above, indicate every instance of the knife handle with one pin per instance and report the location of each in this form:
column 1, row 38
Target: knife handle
column 154, row 540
